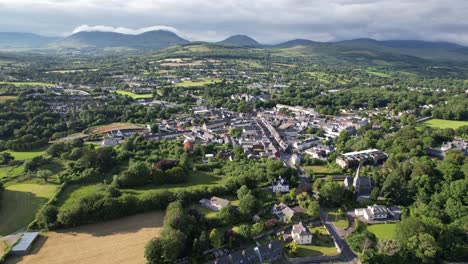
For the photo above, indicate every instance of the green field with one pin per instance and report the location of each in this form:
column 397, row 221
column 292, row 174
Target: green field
column 383, row 231
column 11, row 171
column 19, row 84
column 193, row 83
column 26, row 155
column 134, row 95
column 339, row 220
column 378, row 74
column 441, row 123
column 20, row 203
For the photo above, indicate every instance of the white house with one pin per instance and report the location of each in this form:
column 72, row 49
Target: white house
column 300, row 234
column 215, row 203
column 280, row 185
column 373, row 212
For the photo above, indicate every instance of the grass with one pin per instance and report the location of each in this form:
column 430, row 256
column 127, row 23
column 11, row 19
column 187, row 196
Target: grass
column 206, row 212
column 339, row 220
column 383, row 231
column 26, row 155
column 103, row 129
column 11, row 171
column 200, row 82
column 378, row 74
column 20, row 203
column 74, row 193
column 321, row 170
column 4, row 98
column 134, row 95
column 19, row 84
column 442, row 123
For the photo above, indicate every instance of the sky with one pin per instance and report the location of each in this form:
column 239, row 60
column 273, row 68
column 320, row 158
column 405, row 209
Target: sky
column 268, row 21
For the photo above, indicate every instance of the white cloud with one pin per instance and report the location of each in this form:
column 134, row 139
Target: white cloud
column 123, row 30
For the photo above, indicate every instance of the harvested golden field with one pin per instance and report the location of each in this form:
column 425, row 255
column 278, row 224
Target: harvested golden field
column 117, row 241
column 112, row 127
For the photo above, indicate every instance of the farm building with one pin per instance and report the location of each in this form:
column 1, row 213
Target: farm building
column 25, row 243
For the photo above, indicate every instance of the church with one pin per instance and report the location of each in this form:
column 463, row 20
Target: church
column 362, row 185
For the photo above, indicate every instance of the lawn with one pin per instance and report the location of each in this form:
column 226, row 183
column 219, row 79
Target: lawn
column 11, row 171
column 320, row 170
column 134, row 95
column 441, row 123
column 26, row 155
column 201, row 82
column 383, row 231
column 19, row 84
column 20, row 203
column 339, row 220
column 205, row 211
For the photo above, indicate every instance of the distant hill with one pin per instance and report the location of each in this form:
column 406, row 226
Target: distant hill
column 23, row 40
column 241, row 40
column 158, row 39
column 294, row 42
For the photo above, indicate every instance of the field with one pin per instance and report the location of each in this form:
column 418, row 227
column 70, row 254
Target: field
column 11, row 171
column 26, row 154
column 378, row 74
column 117, row 241
column 113, row 126
column 383, row 231
column 72, row 70
column 441, row 123
column 20, row 203
column 201, row 82
column 320, row 170
column 19, row 84
column 134, row 95
column 4, row 98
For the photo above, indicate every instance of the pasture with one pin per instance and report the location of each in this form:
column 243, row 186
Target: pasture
column 442, row 123
column 26, row 155
column 20, row 203
column 11, row 171
column 117, row 241
column 19, row 84
column 196, row 83
column 99, row 130
column 4, row 98
column 134, row 95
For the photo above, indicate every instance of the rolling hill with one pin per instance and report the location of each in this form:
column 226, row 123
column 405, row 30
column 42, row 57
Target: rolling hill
column 242, row 41
column 23, row 40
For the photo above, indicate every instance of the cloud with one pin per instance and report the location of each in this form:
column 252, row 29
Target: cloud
column 268, row 21
column 123, row 30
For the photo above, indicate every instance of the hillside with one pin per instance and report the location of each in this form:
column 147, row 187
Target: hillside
column 23, row 40
column 241, row 40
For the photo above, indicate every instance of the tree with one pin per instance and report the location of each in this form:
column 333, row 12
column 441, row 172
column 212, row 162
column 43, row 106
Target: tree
column 245, row 231
column 227, row 215
column 136, row 175
column 331, row 193
column 5, row 158
column 248, row 206
column 424, row 246
column 154, row 251
column 243, row 191
column 44, row 174
column 215, row 238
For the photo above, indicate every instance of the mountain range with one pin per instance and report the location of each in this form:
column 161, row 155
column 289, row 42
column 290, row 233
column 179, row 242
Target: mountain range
column 160, row 39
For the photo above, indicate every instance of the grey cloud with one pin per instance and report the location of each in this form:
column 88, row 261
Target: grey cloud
column 269, row 21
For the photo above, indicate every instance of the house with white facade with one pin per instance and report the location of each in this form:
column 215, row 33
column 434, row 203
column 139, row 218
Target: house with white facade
column 300, row 234
column 280, row 185
column 374, row 212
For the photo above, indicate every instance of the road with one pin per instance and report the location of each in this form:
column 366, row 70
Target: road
column 347, row 255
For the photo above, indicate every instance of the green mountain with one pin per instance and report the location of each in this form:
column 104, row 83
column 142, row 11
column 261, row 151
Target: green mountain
column 23, row 40
column 242, row 41
column 158, row 39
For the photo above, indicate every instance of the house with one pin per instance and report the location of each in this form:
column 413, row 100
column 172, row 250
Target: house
column 353, row 159
column 270, row 252
column 246, row 256
column 296, row 159
column 378, row 212
column 215, row 203
column 280, row 185
column 362, row 185
column 283, row 212
column 300, row 234
column 109, row 142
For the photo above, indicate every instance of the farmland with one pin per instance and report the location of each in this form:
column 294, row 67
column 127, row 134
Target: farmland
column 441, row 123
column 25, row 155
column 11, row 171
column 110, row 127
column 117, row 241
column 19, row 84
column 134, row 95
column 20, row 203
column 4, row 98
column 193, row 83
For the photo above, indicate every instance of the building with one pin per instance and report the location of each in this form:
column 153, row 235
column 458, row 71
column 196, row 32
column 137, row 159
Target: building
column 25, row 243
column 246, row 256
column 295, row 159
column 254, row 255
column 280, row 185
column 353, row 159
column 378, row 213
column 215, row 203
column 362, row 185
column 300, row 234
column 109, row 142
column 270, row 252
column 283, row 212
